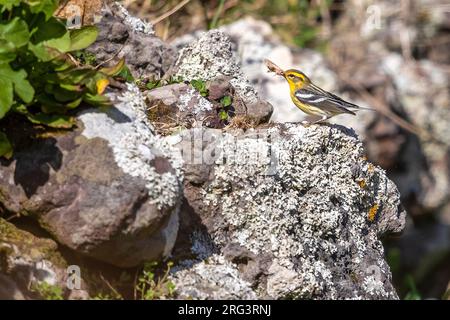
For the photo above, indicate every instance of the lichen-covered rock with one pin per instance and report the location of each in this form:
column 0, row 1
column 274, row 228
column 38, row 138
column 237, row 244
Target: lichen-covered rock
column 215, row 279
column 122, row 35
column 178, row 105
column 298, row 211
column 211, row 57
column 26, row 260
column 109, row 189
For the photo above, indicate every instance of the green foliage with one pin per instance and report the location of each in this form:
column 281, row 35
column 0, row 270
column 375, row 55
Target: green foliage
column 47, row 291
column 149, row 287
column 126, row 75
column 223, row 115
column 39, row 79
column 216, row 17
column 200, row 86
column 156, row 83
column 413, row 293
column 5, row 147
column 298, row 22
column 85, row 57
column 82, row 38
column 226, row 101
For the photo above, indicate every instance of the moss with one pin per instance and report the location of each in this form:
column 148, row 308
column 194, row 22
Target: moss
column 29, row 245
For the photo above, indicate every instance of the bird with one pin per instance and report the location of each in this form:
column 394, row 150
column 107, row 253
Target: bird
column 312, row 99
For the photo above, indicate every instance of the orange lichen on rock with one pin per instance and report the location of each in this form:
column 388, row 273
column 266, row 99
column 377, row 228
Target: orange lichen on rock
column 362, row 183
column 373, row 212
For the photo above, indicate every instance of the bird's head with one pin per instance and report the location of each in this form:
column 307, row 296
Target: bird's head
column 296, row 79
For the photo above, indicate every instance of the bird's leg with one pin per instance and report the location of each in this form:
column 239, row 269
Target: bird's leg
column 324, row 118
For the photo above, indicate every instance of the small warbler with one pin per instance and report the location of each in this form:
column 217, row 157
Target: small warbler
column 310, row 98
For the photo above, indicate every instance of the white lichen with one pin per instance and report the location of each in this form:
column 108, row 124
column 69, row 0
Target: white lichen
column 309, row 212
column 214, row 278
column 212, row 56
column 135, row 23
column 200, row 103
column 135, row 147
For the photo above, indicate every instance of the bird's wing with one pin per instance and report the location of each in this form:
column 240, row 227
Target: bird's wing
column 316, row 97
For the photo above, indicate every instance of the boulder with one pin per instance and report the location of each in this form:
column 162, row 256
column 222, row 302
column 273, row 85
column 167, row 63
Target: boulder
column 26, row 261
column 290, row 212
column 212, row 57
column 122, row 35
column 109, row 189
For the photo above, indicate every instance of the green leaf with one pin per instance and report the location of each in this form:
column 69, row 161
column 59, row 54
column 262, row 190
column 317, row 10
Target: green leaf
column 62, row 44
column 75, row 103
column 223, row 115
column 126, row 75
column 75, row 76
column 153, row 84
column 114, row 70
column 226, row 101
column 22, row 86
column 62, row 95
column 6, row 96
column 83, row 37
column 7, row 51
column 16, row 32
column 20, row 108
column 200, row 86
column 96, row 100
column 5, row 146
column 49, row 102
column 43, row 52
column 48, row 7
column 47, row 30
column 53, row 121
column 9, row 4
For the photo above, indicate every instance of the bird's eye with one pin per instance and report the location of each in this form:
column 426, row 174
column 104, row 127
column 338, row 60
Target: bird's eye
column 291, row 76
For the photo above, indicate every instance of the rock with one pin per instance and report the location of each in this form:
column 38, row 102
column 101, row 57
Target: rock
column 109, row 189
column 180, row 105
column 419, row 168
column 298, row 212
column 122, row 35
column 216, row 279
column 25, row 261
column 212, row 57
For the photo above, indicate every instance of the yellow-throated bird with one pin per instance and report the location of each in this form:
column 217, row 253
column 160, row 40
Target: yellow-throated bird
column 310, row 98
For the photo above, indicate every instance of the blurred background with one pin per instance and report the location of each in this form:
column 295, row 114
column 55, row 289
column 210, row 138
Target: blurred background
column 393, row 56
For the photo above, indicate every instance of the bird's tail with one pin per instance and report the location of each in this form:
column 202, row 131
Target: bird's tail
column 366, row 108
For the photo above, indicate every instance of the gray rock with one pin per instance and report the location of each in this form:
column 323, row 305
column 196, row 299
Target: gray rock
column 180, row 105
column 109, row 189
column 298, row 211
column 215, row 279
column 212, row 57
column 122, row 35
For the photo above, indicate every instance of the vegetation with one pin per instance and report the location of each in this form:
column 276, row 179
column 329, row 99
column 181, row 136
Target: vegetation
column 47, row 291
column 200, row 86
column 40, row 79
column 148, row 285
column 303, row 23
